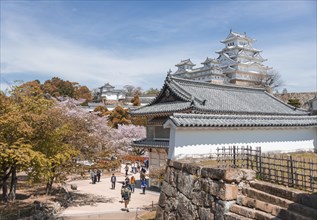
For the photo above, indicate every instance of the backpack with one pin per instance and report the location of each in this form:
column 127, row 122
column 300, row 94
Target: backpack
column 126, row 194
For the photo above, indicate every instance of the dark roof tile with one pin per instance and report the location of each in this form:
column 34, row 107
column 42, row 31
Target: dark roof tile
column 206, row 120
column 212, row 98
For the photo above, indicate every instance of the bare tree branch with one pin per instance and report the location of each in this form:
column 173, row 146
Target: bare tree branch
column 272, row 80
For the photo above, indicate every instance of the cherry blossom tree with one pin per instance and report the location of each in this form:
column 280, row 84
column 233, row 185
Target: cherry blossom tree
column 124, row 136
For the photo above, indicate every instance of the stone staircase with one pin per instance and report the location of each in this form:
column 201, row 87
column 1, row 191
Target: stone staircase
column 266, row 201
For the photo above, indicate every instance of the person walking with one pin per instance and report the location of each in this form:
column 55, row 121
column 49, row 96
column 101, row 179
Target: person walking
column 142, row 175
column 98, row 175
column 95, row 177
column 143, row 185
column 132, row 183
column 138, row 166
column 92, row 174
column 127, row 180
column 126, row 195
column 126, row 169
column 113, row 181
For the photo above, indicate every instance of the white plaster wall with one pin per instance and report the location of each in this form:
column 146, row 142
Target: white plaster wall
column 189, row 141
column 111, row 97
column 172, row 143
column 121, row 96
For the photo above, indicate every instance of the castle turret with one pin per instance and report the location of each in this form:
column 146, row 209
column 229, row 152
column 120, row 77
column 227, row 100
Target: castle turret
column 240, row 61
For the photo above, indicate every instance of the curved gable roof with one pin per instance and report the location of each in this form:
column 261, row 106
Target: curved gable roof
column 205, row 97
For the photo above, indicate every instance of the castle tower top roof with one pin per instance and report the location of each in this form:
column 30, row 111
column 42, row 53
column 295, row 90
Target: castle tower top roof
column 185, row 62
column 234, row 35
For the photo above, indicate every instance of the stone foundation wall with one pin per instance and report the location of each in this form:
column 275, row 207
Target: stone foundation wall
column 191, row 191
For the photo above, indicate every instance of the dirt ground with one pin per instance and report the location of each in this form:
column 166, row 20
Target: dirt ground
column 93, row 201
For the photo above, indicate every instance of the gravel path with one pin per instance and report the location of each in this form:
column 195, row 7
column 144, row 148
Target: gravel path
column 99, row 201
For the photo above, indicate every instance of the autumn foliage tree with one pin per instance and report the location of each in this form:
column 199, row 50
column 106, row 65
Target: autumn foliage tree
column 102, row 111
column 18, row 118
column 44, row 137
column 58, row 87
column 119, row 116
column 136, row 100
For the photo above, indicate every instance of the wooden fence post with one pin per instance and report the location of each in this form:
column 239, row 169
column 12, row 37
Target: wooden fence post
column 252, row 158
column 312, row 174
column 218, row 160
column 291, row 170
column 234, row 156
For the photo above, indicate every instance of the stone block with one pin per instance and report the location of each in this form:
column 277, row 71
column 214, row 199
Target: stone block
column 230, row 192
column 224, row 191
column 248, row 175
column 215, row 187
column 170, row 216
column 204, row 184
column 171, row 205
column 205, row 214
column 185, row 184
column 162, row 199
column 186, row 209
column 173, row 176
column 167, row 175
column 177, row 165
column 197, row 184
column 213, row 173
column 222, row 207
column 228, row 175
column 192, row 169
column 210, row 201
column 233, row 175
column 169, row 190
column 198, row 198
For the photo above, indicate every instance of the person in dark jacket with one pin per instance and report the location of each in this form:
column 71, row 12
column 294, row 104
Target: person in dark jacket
column 113, row 181
column 143, row 185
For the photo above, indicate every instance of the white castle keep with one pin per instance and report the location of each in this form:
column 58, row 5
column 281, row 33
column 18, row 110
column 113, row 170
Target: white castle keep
column 238, row 63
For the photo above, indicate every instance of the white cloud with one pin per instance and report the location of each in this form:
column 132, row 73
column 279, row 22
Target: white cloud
column 28, row 46
column 43, row 54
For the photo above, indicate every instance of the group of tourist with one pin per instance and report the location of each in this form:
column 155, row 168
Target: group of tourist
column 136, row 167
column 95, row 175
column 128, row 185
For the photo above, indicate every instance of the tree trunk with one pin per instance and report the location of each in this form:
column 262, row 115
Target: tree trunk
column 13, row 185
column 5, row 178
column 49, row 185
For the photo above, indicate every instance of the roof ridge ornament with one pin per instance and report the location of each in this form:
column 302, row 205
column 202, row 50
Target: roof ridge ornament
column 168, row 76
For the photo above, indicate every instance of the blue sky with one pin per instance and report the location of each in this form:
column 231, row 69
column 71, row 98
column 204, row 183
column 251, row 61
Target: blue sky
column 137, row 42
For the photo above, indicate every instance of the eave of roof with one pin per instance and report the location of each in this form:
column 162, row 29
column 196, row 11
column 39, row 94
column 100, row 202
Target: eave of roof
column 145, row 143
column 167, row 108
column 203, row 120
